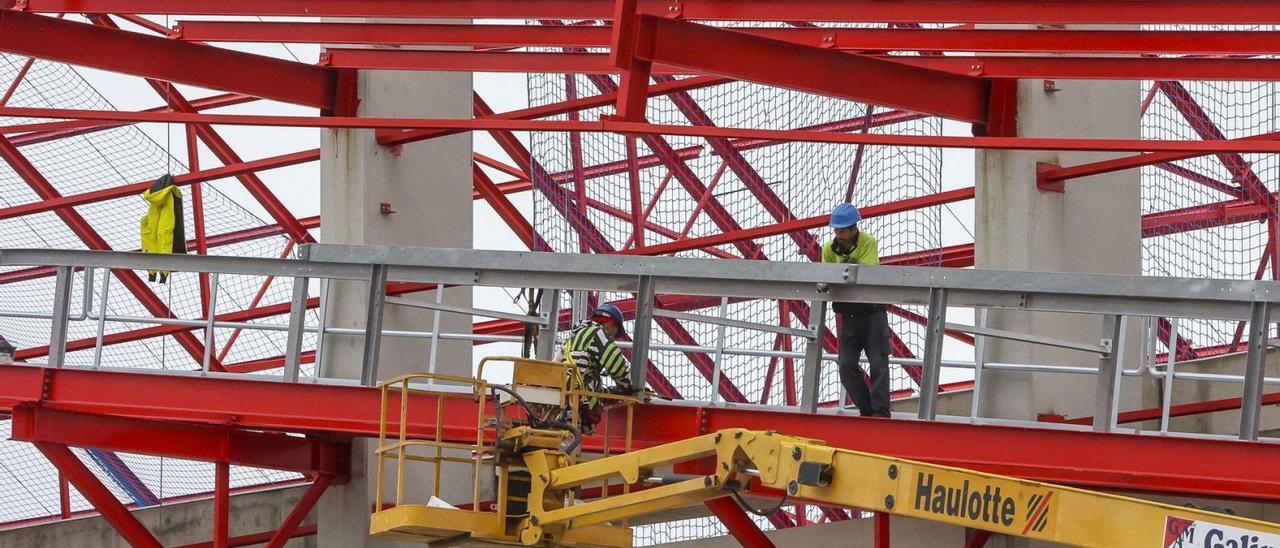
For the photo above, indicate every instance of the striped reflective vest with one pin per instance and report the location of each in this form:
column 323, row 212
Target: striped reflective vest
column 595, row 355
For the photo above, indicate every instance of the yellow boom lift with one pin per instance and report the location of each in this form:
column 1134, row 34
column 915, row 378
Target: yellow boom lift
column 539, row 475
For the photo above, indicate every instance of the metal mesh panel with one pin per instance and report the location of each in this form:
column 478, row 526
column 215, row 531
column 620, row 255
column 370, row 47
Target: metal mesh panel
column 92, row 161
column 1217, row 226
column 803, row 180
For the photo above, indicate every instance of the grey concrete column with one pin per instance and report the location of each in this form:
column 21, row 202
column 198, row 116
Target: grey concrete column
column 428, row 187
column 1094, row 226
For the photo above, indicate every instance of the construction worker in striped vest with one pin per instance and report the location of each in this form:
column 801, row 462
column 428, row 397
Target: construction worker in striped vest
column 590, row 348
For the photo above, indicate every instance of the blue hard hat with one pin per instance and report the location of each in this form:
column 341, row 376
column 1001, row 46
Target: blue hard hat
column 844, row 216
column 614, row 313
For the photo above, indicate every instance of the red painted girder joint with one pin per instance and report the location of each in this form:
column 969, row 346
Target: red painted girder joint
column 178, row 440
column 1162, row 150
column 155, row 57
column 1223, row 12
column 739, row 524
column 856, row 39
column 97, row 494
column 710, row 50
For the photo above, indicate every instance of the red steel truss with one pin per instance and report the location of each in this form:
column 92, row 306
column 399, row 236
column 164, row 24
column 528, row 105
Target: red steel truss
column 1193, row 466
column 651, row 42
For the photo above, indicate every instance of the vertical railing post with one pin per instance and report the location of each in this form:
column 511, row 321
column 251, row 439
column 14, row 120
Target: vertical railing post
column 979, row 361
column 932, row 366
column 297, row 320
column 321, row 324
column 209, row 322
column 812, row 373
column 1167, row 398
column 641, row 334
column 550, row 308
column 61, row 315
column 373, row 324
column 1255, row 368
column 718, row 366
column 435, row 331
column 1107, row 395
column 578, row 305
column 102, row 320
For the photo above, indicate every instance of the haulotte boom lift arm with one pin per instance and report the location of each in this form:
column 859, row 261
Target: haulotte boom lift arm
column 812, row 471
column 539, row 475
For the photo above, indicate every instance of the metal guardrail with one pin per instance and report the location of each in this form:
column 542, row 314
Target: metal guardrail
column 1114, row 299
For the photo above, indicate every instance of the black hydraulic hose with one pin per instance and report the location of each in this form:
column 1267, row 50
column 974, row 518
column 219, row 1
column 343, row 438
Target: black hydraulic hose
column 577, row 435
column 533, row 418
column 538, row 423
column 762, row 513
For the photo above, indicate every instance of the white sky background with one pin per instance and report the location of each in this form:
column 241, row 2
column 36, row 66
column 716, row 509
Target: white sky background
column 298, row 186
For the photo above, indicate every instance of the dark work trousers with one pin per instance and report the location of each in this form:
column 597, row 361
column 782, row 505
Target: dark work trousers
column 866, row 332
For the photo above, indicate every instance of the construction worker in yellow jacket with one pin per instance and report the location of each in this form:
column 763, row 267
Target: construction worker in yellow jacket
column 591, row 348
column 864, row 327
column 162, row 226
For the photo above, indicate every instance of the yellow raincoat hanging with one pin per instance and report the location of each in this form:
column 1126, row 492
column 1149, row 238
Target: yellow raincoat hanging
column 162, row 226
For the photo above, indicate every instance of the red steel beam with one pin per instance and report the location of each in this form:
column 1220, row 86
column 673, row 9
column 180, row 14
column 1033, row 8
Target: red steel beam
column 1178, row 410
column 1223, row 12
column 974, row 68
column 17, row 81
column 1189, row 466
column 391, row 137
column 506, row 210
column 52, row 131
column 145, row 23
column 1170, row 150
column 858, row 124
column 223, row 151
column 134, row 189
column 32, row 423
column 739, row 524
column 1203, row 216
column 595, row 240
column 1197, row 177
column 1192, row 466
column 857, row 39
column 1129, row 162
column 221, row 504
column 289, row 528
column 1103, row 68
column 540, row 180
column 97, row 494
column 802, row 224
column 169, row 60
column 977, row 538
column 243, row 404
column 500, row 166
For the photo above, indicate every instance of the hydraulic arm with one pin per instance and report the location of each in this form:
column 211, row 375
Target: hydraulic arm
column 541, row 481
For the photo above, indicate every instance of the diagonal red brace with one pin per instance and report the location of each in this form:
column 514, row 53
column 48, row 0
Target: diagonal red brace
column 300, row 511
column 739, row 524
column 97, row 494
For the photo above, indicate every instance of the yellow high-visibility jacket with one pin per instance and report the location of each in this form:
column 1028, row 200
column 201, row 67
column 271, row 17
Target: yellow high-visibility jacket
column 162, row 226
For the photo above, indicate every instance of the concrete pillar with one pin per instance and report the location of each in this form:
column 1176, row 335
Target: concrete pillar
column 1094, row 226
column 428, row 186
